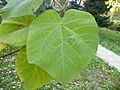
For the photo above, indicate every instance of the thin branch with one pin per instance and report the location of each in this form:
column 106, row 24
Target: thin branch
column 9, row 54
column 80, row 2
column 66, row 3
column 58, row 4
column 64, row 7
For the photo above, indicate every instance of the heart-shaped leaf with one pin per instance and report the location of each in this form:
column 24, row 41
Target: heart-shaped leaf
column 17, row 8
column 31, row 75
column 62, row 47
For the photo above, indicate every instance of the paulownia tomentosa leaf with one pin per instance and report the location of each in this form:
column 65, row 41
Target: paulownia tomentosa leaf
column 17, row 8
column 16, row 38
column 31, row 75
column 25, row 20
column 14, row 31
column 62, row 47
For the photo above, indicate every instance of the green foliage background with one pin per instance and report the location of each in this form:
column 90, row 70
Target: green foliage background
column 97, row 8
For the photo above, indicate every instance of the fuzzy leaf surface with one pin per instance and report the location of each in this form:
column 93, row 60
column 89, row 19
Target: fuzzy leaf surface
column 31, row 75
column 17, row 38
column 17, row 8
column 14, row 31
column 63, row 46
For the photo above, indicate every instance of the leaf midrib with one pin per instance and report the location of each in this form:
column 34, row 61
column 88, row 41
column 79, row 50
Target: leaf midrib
column 62, row 42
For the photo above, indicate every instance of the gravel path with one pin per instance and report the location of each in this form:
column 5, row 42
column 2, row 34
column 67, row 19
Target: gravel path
column 108, row 56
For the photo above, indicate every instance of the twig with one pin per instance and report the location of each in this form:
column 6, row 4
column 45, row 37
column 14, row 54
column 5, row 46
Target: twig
column 80, row 2
column 66, row 3
column 9, row 54
column 56, row 2
column 64, row 7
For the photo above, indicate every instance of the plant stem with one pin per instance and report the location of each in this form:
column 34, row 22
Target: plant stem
column 80, row 2
column 58, row 4
column 65, row 5
column 9, row 54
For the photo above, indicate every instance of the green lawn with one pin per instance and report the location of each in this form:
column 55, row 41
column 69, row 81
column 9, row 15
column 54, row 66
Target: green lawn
column 96, row 76
column 110, row 39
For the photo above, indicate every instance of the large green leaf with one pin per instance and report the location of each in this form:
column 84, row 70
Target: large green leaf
column 31, row 75
column 8, row 26
column 26, row 20
column 17, row 38
column 16, row 8
column 13, row 31
column 8, row 31
column 63, row 47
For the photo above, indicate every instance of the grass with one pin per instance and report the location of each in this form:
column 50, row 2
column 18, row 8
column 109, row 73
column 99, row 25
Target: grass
column 97, row 75
column 110, row 39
